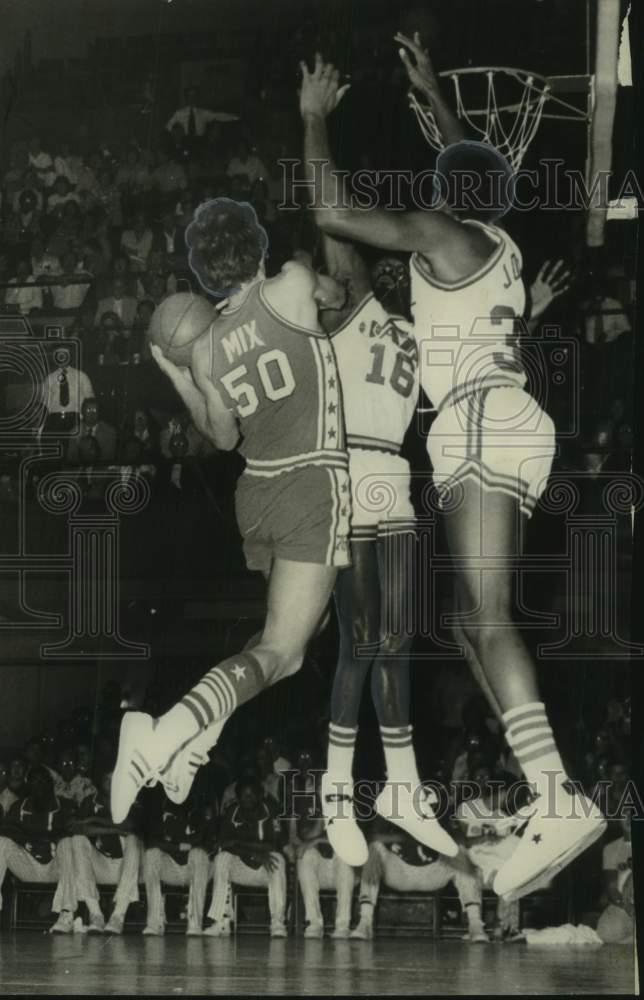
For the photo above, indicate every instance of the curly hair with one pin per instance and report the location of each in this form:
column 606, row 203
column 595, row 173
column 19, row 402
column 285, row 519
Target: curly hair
column 226, row 245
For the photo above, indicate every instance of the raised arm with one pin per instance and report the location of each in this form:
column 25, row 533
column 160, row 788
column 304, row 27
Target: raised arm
column 426, row 231
column 422, row 76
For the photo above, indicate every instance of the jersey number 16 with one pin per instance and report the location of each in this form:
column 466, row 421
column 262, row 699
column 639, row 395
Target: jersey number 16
column 402, row 378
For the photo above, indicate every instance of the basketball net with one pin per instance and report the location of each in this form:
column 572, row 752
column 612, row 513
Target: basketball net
column 523, row 118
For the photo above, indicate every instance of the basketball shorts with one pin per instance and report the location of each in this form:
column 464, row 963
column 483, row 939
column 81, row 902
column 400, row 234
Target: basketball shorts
column 380, row 501
column 302, row 515
column 500, row 437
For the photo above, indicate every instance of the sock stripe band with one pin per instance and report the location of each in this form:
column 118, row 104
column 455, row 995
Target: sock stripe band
column 523, row 713
column 538, row 753
column 186, row 701
column 527, row 727
column 544, row 736
column 222, row 691
column 336, row 730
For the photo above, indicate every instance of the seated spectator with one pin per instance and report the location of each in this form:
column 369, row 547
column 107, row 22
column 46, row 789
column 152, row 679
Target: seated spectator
column 124, row 306
column 318, row 867
column 87, row 183
column 269, row 776
column 24, row 224
column 144, row 313
column 170, row 238
column 250, row 854
column 181, row 424
column 64, row 391
column 107, row 196
column 616, row 923
column 60, row 196
column 17, row 783
column 175, row 854
column 12, row 180
column 246, row 163
column 7, row 797
column 486, row 830
column 69, row 298
column 137, row 243
column 68, row 234
column 185, row 209
column 143, row 431
column 68, row 164
column 132, row 179
column 31, row 187
column 70, row 785
column 92, row 426
column 27, row 296
column 168, row 177
column 43, row 264
column 120, row 268
column 34, row 846
column 403, row 864
column 158, row 276
column 105, row 854
column 42, row 163
column 156, row 287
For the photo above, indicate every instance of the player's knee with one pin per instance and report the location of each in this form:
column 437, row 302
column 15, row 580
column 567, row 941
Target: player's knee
column 484, row 633
column 364, row 630
column 393, row 647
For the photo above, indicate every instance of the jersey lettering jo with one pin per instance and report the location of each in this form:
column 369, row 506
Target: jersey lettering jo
column 468, row 331
column 377, row 359
column 282, row 383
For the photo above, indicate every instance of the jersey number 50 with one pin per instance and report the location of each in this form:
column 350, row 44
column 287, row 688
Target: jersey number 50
column 275, row 374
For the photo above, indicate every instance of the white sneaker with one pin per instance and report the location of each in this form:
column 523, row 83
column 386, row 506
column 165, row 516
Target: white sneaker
column 314, row 931
column 363, row 931
column 548, row 843
column 476, row 935
column 139, row 760
column 218, row 929
column 64, row 924
column 278, row 930
column 115, row 924
column 345, row 837
column 96, row 923
column 153, row 930
column 178, row 775
column 193, row 930
column 412, row 809
column 340, row 931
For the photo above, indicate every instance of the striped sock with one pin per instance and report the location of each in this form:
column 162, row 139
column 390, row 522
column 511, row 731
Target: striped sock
column 529, row 734
column 400, row 760
column 342, row 741
column 215, row 697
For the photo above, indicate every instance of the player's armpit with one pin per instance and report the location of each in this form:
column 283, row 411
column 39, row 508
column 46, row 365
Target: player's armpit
column 291, row 294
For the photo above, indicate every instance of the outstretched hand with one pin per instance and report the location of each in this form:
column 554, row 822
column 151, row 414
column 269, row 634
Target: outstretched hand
column 421, row 71
column 179, row 376
column 321, row 91
column 552, row 281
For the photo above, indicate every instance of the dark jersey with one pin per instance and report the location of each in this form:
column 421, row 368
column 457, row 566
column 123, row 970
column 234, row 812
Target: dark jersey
column 37, row 830
column 281, row 381
column 109, row 844
column 264, row 827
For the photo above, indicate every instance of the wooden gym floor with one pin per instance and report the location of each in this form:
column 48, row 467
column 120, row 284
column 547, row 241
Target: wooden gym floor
column 33, row 963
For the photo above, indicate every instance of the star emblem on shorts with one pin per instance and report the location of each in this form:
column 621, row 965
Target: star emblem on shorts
column 344, row 512
column 331, row 383
column 329, row 358
column 537, row 838
column 239, row 672
column 332, row 433
column 345, row 487
column 332, row 407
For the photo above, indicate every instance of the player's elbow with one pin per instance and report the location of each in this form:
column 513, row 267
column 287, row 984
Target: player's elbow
column 332, row 221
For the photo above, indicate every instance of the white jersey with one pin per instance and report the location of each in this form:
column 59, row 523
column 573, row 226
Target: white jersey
column 466, row 330
column 377, row 359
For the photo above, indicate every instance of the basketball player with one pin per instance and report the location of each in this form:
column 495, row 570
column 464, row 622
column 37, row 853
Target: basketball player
column 377, row 359
column 491, row 445
column 263, row 370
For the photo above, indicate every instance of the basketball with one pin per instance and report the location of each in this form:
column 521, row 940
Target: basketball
column 178, row 323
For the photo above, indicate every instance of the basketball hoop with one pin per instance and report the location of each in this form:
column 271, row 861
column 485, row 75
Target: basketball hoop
column 510, row 114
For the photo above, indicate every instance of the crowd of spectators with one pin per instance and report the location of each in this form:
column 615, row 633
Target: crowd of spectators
column 254, row 820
